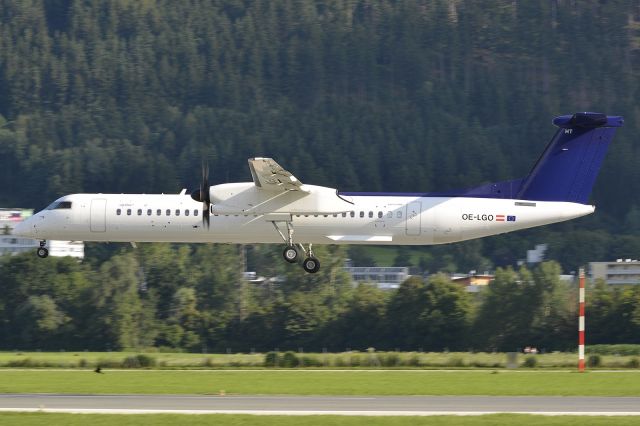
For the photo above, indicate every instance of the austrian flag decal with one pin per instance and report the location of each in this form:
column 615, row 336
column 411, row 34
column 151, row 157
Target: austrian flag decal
column 502, row 218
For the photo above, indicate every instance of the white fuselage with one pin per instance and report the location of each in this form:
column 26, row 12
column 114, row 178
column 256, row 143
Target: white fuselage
column 371, row 219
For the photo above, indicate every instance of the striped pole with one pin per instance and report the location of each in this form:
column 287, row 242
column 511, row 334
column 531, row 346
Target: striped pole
column 581, row 322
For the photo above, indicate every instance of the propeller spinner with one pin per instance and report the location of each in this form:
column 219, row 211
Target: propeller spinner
column 202, row 195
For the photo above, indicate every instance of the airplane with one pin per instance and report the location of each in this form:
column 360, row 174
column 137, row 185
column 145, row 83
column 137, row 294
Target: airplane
column 276, row 207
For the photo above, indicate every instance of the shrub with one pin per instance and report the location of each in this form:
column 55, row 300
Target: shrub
column 633, row 363
column 308, row 361
column 391, row 359
column 594, row 361
column 290, row 360
column 414, row 361
column 139, row 361
column 355, row 360
column 271, row 359
column 456, row 361
column 627, row 350
column 25, row 362
column 530, row 362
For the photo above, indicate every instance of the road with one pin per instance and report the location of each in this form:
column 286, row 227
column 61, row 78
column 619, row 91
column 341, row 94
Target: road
column 304, row 405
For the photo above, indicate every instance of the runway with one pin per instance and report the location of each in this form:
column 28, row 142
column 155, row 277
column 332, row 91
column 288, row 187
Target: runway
column 314, row 405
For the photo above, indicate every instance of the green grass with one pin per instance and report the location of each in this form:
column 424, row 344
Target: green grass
column 44, row 419
column 320, row 382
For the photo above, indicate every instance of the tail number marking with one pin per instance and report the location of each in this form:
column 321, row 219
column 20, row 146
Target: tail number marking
column 478, row 217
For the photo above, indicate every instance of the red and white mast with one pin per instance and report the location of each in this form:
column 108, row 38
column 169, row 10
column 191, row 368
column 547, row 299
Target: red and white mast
column 581, row 322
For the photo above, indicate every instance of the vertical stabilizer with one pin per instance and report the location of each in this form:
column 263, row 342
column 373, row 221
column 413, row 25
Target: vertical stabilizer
column 569, row 165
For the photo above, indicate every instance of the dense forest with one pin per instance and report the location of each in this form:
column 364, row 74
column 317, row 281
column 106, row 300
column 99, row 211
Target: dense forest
column 423, row 95
column 193, row 298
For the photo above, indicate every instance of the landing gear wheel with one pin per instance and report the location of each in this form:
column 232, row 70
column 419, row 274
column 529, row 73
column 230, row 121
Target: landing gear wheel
column 42, row 252
column 290, row 254
column 311, row 265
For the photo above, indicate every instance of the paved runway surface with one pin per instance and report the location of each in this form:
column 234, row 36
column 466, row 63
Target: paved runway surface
column 300, row 405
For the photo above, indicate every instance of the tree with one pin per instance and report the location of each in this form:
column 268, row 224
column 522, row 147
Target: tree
column 123, row 318
column 433, row 315
column 40, row 321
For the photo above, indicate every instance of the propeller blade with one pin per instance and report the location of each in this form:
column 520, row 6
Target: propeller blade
column 204, row 194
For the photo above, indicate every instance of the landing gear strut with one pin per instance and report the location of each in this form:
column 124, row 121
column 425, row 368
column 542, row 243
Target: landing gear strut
column 42, row 251
column 310, row 264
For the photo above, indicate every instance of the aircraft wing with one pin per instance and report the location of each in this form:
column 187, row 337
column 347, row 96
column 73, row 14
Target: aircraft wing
column 270, row 176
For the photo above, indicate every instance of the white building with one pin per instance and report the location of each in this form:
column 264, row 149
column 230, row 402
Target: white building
column 620, row 272
column 10, row 244
column 385, row 278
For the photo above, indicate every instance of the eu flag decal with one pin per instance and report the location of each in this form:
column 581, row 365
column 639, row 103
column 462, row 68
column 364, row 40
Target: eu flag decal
column 511, row 218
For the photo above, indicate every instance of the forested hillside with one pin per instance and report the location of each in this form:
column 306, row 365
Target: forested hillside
column 130, row 95
column 127, row 96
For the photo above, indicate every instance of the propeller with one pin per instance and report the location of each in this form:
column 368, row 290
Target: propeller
column 202, row 195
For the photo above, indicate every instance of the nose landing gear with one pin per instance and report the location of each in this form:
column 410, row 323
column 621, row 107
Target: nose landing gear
column 42, row 251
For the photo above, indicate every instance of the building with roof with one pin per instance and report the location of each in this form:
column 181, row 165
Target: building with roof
column 383, row 277
column 618, row 272
column 472, row 281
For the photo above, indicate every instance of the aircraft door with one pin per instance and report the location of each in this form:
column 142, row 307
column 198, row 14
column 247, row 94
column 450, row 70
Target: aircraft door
column 413, row 218
column 98, row 220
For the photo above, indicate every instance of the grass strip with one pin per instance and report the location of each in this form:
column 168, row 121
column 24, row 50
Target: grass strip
column 46, row 419
column 319, row 382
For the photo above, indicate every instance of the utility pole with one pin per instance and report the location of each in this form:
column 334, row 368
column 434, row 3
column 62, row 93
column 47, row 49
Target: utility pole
column 581, row 321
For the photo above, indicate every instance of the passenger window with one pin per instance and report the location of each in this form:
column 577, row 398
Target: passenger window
column 379, row 214
column 128, row 212
column 158, row 212
column 148, row 212
column 390, row 215
column 177, row 212
column 370, row 214
column 353, row 214
column 195, row 212
column 186, row 212
column 399, row 214
column 361, row 214
column 168, row 212
column 139, row 212
column 118, row 212
column 344, row 214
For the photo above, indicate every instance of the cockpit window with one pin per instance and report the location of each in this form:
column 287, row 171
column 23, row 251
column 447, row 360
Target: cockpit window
column 59, row 205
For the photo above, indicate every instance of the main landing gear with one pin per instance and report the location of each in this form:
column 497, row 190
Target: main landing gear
column 42, row 251
column 311, row 264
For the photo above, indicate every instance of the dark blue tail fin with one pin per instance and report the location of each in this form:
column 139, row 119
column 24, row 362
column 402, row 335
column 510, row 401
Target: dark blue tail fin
column 569, row 165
